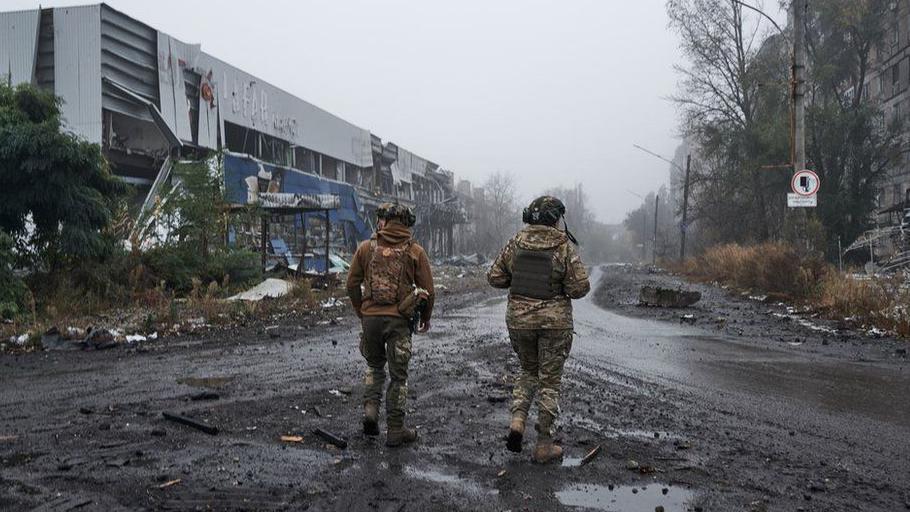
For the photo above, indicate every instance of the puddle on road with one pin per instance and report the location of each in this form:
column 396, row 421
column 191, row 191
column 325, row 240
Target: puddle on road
column 615, row 433
column 206, row 382
column 625, row 498
column 436, row 476
column 571, row 462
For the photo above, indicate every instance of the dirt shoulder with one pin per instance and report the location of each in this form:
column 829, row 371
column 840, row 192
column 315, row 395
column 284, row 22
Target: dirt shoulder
column 754, row 318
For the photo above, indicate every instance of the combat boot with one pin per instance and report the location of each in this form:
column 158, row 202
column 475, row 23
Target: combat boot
column 516, row 433
column 371, row 418
column 546, row 451
column 398, row 436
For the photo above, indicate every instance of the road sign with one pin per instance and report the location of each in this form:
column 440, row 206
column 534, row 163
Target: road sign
column 805, row 183
column 801, row 201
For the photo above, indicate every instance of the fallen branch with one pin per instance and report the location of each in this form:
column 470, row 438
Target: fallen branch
column 591, row 455
column 208, row 429
column 169, row 483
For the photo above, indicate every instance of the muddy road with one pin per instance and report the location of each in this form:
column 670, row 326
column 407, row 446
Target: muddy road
column 690, row 417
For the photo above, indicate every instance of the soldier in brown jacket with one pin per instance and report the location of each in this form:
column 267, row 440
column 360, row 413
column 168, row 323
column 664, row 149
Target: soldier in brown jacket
column 396, row 280
column 543, row 273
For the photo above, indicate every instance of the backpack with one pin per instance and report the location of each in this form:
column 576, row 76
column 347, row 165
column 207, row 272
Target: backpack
column 385, row 268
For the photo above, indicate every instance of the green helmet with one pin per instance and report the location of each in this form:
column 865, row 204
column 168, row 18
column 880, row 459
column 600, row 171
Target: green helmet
column 545, row 210
column 389, row 211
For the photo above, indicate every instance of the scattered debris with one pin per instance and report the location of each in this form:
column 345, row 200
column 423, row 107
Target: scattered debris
column 99, row 339
column 270, row 288
column 667, row 298
column 169, row 483
column 19, row 340
column 632, row 465
column 334, row 392
column 53, row 339
column 332, row 302
column 208, row 429
column 292, row 439
column 4, row 439
column 688, row 319
column 682, row 445
column 331, row 438
column 591, row 455
column 205, row 395
column 501, row 474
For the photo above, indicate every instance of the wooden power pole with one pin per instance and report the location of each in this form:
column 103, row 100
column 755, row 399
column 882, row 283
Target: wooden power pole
column 685, row 210
column 654, row 242
column 799, row 82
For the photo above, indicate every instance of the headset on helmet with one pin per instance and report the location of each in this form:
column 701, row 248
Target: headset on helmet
column 389, row 211
column 544, row 210
column 547, row 210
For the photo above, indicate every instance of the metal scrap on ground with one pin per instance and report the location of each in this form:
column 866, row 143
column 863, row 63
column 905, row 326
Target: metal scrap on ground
column 331, row 438
column 667, row 298
column 208, row 429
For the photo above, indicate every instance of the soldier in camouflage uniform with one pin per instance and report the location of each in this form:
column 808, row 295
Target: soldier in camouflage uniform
column 543, row 273
column 389, row 274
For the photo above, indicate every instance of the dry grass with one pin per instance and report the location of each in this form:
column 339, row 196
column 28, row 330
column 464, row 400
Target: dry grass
column 881, row 302
column 770, row 267
column 780, row 271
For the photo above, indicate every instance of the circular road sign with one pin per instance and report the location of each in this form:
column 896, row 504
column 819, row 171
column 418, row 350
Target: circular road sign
column 805, row 183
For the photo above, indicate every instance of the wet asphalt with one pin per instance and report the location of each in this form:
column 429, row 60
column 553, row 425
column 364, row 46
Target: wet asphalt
column 688, row 419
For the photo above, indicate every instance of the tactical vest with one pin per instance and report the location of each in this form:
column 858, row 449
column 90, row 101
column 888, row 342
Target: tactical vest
column 532, row 274
column 384, row 270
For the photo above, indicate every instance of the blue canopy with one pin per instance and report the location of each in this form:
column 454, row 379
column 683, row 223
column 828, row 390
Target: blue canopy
column 239, row 167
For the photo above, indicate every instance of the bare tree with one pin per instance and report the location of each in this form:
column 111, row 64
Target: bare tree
column 734, row 108
column 497, row 215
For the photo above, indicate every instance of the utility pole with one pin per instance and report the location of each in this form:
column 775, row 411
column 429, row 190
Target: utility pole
column 798, row 86
column 644, row 232
column 685, row 211
column 798, row 93
column 654, row 242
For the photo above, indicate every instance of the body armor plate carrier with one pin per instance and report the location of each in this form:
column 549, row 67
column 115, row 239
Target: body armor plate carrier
column 532, row 274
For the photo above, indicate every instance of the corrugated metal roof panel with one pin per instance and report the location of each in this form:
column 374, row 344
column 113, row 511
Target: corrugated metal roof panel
column 44, row 68
column 77, row 68
column 19, row 44
column 128, row 57
column 173, row 57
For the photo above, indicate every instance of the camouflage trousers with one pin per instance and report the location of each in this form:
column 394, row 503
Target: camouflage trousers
column 386, row 339
column 542, row 354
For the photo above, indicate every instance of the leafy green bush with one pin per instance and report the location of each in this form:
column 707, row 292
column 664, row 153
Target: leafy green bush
column 12, row 289
column 178, row 265
column 235, row 266
column 174, row 265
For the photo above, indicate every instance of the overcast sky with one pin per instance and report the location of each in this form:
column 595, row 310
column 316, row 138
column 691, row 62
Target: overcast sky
column 553, row 91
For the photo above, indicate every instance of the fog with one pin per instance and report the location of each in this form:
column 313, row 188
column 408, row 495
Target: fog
column 554, row 92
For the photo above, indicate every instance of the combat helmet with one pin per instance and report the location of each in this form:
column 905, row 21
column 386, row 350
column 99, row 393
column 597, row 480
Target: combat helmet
column 545, row 210
column 402, row 213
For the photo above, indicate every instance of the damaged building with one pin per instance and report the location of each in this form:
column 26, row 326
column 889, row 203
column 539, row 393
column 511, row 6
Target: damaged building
column 149, row 100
